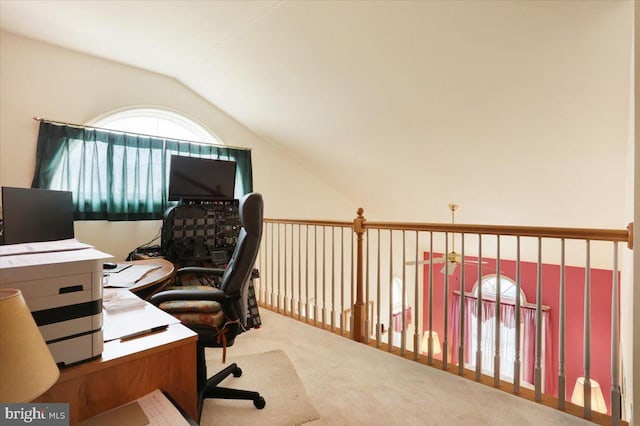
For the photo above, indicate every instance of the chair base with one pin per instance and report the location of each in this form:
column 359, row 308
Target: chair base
column 208, row 388
column 212, row 390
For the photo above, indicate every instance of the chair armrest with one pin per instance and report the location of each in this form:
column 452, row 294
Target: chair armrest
column 196, row 270
column 213, row 294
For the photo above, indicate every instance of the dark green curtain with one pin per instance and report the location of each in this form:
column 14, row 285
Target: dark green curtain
column 120, row 176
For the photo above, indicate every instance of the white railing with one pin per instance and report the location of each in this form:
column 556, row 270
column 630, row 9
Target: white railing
column 392, row 285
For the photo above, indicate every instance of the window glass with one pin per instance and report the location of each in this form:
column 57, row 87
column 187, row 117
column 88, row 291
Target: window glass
column 156, row 122
column 490, row 287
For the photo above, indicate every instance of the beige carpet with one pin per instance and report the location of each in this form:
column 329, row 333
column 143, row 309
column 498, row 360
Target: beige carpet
column 271, row 374
column 351, row 384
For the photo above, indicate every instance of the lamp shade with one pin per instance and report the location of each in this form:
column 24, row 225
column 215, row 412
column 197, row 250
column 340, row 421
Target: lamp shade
column 27, row 368
column 597, row 400
column 424, row 345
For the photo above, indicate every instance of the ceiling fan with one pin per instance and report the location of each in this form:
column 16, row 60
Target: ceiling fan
column 452, row 259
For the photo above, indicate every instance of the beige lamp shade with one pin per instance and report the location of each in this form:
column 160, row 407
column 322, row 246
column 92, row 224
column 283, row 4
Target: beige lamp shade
column 27, row 368
column 597, row 400
column 424, row 345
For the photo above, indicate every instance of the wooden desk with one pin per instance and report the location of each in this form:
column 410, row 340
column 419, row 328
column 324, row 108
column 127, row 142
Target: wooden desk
column 155, row 280
column 129, row 369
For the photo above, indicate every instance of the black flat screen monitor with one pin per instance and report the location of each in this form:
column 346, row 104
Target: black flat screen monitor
column 32, row 215
column 201, row 179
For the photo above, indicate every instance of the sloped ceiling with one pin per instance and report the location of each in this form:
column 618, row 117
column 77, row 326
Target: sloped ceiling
column 504, row 107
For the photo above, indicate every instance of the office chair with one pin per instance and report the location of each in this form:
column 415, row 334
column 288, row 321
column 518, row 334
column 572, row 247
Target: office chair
column 218, row 315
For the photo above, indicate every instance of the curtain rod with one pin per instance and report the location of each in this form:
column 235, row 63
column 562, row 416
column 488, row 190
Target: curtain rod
column 84, row 126
column 524, row 304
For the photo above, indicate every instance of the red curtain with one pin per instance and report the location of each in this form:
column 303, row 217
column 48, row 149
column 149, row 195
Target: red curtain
column 507, row 318
column 398, row 323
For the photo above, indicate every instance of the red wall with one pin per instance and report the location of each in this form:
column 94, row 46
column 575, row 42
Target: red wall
column 601, row 285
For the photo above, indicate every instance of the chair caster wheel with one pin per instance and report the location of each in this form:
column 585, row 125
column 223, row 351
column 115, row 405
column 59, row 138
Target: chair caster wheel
column 259, row 403
column 237, row 372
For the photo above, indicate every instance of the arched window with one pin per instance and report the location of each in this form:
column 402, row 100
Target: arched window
column 507, row 327
column 118, row 167
column 158, row 122
column 489, row 285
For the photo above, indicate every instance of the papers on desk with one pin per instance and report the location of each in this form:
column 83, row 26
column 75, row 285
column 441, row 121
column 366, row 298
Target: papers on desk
column 24, row 260
column 42, row 247
column 137, row 318
column 116, row 301
column 128, row 277
column 151, row 409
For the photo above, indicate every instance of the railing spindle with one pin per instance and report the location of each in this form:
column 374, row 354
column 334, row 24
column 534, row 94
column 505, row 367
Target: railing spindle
column 299, row 271
column 285, row 298
column 587, row 334
column 430, row 316
column 417, row 303
column 445, row 340
column 615, row 386
column 367, row 322
column 324, row 276
column 333, row 279
column 306, row 274
column 315, row 274
column 360, row 231
column 378, row 298
column 273, row 282
column 479, row 314
column 462, row 309
column 403, row 333
column 342, row 329
column 496, row 355
column 292, row 301
column 390, row 327
column 516, row 363
column 561, row 332
column 279, row 295
column 264, row 272
column 538, row 367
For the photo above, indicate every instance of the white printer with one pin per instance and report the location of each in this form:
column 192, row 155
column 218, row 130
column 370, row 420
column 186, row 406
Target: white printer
column 61, row 281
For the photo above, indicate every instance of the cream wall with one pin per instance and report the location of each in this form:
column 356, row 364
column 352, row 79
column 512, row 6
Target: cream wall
column 38, row 79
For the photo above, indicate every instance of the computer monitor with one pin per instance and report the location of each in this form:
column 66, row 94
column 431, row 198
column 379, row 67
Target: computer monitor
column 32, row 215
column 201, row 179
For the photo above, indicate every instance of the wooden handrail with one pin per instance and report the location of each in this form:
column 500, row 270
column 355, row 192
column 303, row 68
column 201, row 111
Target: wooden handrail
column 621, row 235
column 523, row 231
column 311, row 222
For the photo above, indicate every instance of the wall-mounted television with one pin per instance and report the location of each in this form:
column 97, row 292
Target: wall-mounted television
column 32, row 215
column 201, row 179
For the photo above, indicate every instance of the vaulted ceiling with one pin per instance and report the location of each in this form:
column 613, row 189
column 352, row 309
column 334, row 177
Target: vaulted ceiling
column 489, row 104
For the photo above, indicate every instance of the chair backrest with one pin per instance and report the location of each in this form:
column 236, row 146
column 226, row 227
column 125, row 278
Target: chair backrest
column 235, row 279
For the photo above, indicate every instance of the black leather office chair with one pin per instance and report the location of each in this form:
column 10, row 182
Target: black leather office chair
column 218, row 315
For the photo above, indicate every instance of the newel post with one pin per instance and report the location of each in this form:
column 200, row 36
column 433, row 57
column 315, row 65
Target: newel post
column 359, row 308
